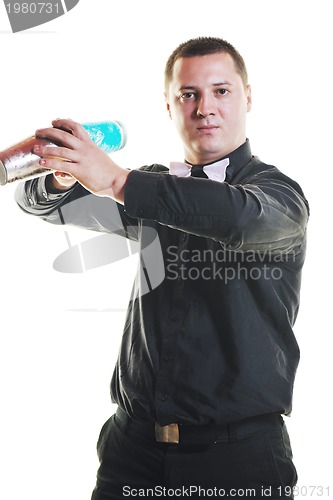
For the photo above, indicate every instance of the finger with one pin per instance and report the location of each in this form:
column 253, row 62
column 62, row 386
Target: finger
column 58, row 136
column 63, row 175
column 64, row 179
column 73, row 127
column 67, row 167
column 59, row 152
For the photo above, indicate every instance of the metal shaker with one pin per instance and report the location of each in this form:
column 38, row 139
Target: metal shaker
column 19, row 162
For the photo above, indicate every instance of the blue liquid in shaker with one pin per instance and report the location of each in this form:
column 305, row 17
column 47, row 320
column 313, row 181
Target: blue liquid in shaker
column 109, row 135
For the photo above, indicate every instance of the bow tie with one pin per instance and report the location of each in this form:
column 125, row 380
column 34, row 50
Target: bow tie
column 215, row 171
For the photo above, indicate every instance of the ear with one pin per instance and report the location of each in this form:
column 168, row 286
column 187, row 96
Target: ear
column 249, row 98
column 167, row 105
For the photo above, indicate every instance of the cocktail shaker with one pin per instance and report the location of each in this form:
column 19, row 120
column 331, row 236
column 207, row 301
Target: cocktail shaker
column 20, row 162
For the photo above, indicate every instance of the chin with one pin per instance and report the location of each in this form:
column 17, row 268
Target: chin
column 214, row 153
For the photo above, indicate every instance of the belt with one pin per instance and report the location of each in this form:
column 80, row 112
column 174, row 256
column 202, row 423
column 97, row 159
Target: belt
column 176, row 433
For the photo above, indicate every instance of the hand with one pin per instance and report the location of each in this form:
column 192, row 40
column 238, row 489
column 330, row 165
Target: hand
column 79, row 157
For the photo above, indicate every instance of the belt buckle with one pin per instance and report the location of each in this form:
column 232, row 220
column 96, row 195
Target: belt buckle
column 167, row 433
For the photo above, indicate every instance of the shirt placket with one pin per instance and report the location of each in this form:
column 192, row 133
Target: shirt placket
column 165, row 378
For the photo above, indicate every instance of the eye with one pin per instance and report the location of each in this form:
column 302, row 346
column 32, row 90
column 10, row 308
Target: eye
column 222, row 91
column 187, row 96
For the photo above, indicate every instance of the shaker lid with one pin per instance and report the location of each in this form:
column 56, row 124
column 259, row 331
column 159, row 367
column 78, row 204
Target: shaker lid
column 3, row 174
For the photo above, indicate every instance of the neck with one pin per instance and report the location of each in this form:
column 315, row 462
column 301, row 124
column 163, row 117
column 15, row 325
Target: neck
column 205, row 159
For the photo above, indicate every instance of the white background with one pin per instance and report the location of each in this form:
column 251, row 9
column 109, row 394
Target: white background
column 60, row 333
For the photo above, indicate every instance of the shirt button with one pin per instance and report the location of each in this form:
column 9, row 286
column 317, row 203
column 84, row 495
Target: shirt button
column 179, row 220
column 164, row 397
column 140, row 212
column 168, row 359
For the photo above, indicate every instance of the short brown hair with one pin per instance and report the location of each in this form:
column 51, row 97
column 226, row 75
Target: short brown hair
column 204, row 46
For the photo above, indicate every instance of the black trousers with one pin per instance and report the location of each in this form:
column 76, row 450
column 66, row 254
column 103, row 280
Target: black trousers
column 237, row 465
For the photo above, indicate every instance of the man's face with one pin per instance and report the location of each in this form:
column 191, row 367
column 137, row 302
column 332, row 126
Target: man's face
column 208, row 103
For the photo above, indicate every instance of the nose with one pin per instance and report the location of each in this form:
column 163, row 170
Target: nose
column 206, row 105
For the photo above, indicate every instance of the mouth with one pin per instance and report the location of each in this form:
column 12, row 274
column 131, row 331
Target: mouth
column 207, row 129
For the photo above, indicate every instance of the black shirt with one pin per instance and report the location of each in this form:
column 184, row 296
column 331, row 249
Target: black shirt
column 208, row 335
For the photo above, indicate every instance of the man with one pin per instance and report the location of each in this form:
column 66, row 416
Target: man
column 208, row 357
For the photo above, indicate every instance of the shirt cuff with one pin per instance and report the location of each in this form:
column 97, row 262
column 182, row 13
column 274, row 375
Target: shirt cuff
column 141, row 192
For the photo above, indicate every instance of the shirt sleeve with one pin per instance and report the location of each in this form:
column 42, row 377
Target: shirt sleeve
column 266, row 211
column 76, row 206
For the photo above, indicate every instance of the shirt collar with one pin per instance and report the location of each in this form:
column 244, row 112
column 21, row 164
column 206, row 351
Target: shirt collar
column 237, row 159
